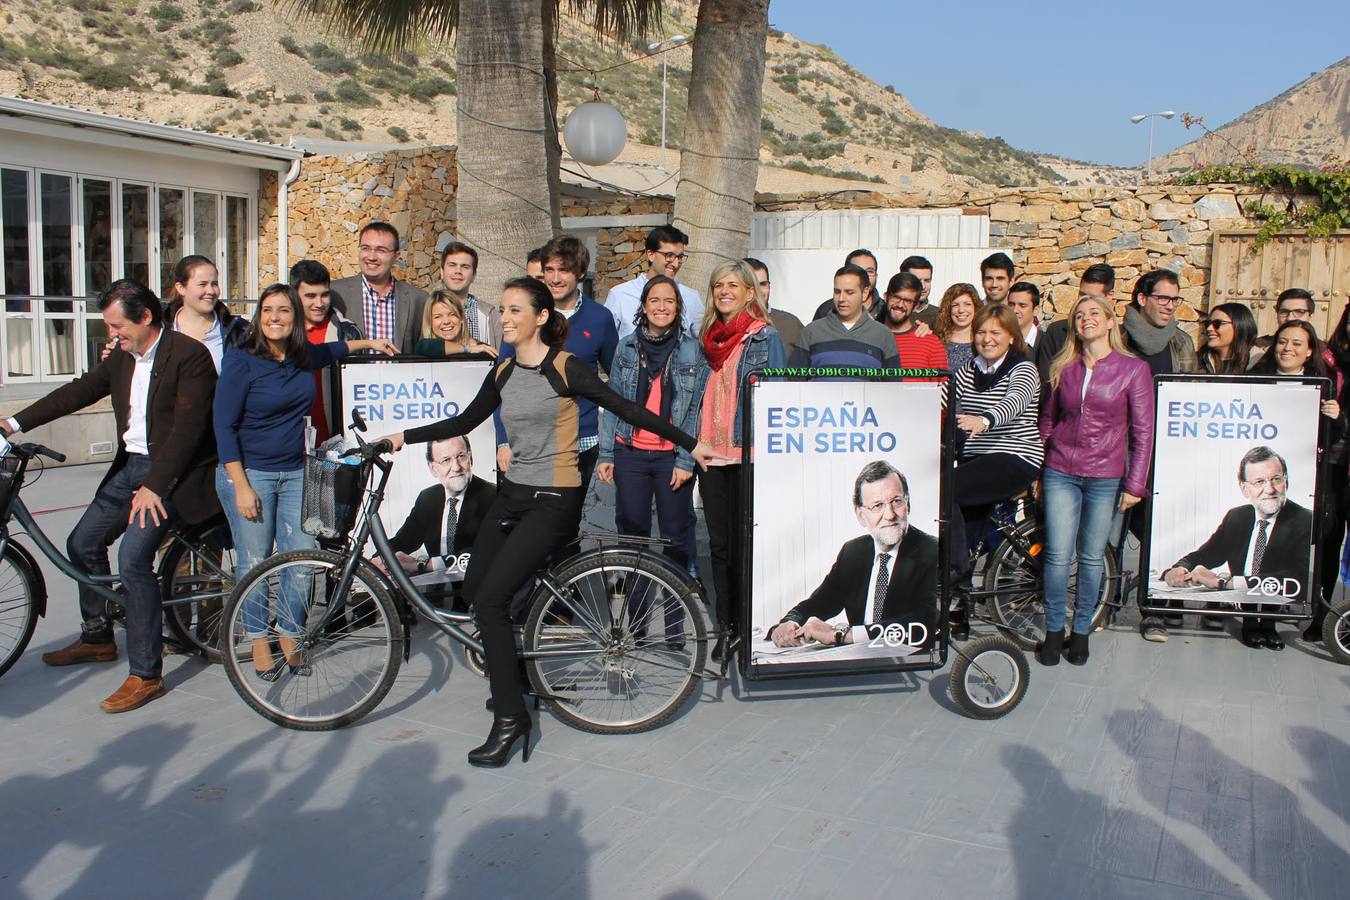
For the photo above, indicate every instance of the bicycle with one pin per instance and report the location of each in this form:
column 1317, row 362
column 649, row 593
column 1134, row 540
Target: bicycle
column 1011, row 578
column 195, row 572
column 613, row 640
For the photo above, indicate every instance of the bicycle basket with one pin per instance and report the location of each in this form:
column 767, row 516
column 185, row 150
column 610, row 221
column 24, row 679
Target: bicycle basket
column 9, row 481
column 332, row 496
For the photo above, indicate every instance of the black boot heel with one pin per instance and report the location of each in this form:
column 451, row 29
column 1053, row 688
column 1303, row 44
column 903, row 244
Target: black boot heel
column 1048, row 651
column 496, row 750
column 1076, row 654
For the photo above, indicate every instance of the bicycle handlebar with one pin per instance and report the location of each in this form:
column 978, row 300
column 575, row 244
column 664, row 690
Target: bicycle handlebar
column 369, row 451
column 28, row 451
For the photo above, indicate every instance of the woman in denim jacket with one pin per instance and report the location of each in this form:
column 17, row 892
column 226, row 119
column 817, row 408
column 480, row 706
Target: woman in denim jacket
column 737, row 339
column 1097, row 424
column 659, row 366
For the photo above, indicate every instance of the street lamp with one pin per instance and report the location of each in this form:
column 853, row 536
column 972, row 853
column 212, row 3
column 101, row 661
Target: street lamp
column 1167, row 114
column 661, row 47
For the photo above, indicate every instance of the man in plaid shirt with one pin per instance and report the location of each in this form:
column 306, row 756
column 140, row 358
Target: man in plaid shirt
column 380, row 305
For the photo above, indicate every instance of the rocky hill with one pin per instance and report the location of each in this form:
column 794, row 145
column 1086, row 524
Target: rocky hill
column 1302, row 127
column 243, row 67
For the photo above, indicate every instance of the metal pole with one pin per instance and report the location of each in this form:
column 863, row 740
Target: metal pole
column 1148, row 166
column 663, row 110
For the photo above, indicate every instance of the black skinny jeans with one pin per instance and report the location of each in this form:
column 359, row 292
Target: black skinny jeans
column 546, row 519
column 722, row 511
column 977, row 484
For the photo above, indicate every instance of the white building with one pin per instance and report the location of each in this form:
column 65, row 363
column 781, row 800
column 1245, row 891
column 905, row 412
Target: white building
column 87, row 198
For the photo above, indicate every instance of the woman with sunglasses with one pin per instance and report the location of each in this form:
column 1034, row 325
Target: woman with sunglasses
column 1228, row 340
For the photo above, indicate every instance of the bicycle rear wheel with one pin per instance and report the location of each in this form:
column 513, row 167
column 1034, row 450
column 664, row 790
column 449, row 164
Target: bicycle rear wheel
column 628, row 642
column 196, row 576
column 1335, row 632
column 341, row 666
column 1013, row 575
column 18, row 607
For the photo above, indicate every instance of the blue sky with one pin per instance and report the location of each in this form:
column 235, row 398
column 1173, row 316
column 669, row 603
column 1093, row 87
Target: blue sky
column 1036, row 75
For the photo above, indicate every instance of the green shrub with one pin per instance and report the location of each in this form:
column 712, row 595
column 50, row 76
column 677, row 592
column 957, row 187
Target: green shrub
column 239, row 7
column 349, row 91
column 165, row 14
column 108, row 78
column 347, row 124
column 290, row 46
column 398, row 133
column 430, row 87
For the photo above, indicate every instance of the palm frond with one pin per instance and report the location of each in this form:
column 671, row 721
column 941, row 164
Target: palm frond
column 619, row 19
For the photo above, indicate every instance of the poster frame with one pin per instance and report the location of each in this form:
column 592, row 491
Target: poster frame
column 936, row 657
column 1144, row 600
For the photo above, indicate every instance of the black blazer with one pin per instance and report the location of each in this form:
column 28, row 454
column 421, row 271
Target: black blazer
column 1287, row 546
column 912, row 595
column 181, row 440
column 423, row 525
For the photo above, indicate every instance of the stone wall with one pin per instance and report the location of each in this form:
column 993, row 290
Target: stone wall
column 1052, row 234
column 414, row 190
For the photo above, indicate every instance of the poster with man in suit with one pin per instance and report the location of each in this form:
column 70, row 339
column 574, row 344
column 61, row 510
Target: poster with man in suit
column 1231, row 522
column 845, row 564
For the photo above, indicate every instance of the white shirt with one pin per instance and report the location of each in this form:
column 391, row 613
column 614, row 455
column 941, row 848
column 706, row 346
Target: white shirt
column 135, row 437
column 624, row 299
column 1087, row 379
column 437, row 562
column 987, row 367
column 1031, row 336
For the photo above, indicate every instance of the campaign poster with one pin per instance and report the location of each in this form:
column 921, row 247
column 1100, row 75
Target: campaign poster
column 844, row 472
column 395, row 395
column 1235, row 480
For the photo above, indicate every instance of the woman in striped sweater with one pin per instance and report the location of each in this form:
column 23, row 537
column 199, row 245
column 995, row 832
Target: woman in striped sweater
column 999, row 449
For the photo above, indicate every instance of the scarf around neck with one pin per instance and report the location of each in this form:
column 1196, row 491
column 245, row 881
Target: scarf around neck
column 654, row 363
column 722, row 338
column 1149, row 338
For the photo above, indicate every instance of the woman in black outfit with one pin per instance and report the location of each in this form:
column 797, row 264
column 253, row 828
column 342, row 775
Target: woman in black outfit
column 536, row 391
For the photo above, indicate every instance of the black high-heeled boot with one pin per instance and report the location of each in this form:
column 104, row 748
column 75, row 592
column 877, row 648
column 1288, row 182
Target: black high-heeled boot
column 1076, row 654
column 1047, row 652
column 959, row 623
column 496, row 750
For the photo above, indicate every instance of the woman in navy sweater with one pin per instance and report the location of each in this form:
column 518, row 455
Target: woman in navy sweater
column 265, row 390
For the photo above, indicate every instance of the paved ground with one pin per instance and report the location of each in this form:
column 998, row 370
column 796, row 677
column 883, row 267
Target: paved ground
column 1189, row 769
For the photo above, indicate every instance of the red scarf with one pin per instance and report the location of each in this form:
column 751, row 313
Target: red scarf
column 723, row 337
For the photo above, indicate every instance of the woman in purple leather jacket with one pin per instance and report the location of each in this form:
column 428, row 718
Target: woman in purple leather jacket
column 1097, row 423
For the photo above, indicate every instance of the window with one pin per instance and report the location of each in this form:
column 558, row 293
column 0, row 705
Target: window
column 18, row 276
column 236, row 266
column 172, row 235
column 206, row 225
column 136, row 232
column 98, row 248
column 56, row 206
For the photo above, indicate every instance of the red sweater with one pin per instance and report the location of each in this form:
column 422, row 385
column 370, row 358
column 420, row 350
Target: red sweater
column 924, row 352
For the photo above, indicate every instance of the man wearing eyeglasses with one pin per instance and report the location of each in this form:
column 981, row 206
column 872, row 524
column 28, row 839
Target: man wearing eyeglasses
column 445, row 517
column 1269, row 536
column 887, row 576
column 665, row 256
column 380, row 305
column 1150, row 329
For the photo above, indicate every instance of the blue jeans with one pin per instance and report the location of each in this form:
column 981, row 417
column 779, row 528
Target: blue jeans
column 103, row 521
column 279, row 496
column 641, row 476
column 1078, row 513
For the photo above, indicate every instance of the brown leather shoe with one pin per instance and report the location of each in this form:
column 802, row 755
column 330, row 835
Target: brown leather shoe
column 135, row 692
column 81, row 652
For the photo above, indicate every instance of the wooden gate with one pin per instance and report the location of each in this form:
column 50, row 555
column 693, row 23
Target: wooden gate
column 1288, row 260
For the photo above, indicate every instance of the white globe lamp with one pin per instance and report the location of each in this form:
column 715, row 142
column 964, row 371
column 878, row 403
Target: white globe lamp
column 595, row 133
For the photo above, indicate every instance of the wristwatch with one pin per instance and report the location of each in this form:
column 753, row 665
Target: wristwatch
column 840, row 632
column 1225, row 582
column 422, row 565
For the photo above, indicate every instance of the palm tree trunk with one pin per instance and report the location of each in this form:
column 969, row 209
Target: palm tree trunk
column 719, row 159
column 506, row 204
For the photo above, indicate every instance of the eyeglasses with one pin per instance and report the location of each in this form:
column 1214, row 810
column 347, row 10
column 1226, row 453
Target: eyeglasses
column 1286, row 313
column 1273, row 481
column 1165, row 299
column 1216, row 324
column 895, row 504
column 462, row 459
column 764, row 283
column 671, row 256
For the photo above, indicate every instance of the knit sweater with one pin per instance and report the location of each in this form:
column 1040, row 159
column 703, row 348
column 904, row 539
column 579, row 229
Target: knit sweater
column 1007, row 398
column 827, row 343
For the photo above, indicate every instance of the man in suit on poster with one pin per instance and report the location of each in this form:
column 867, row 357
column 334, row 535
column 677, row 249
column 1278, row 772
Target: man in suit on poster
column 887, row 576
column 1269, row 536
column 445, row 517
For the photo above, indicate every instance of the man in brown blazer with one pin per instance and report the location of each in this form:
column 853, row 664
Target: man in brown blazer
column 161, row 384
column 375, row 301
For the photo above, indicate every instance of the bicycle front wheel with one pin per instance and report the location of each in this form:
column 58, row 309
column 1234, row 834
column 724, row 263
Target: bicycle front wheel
column 1017, row 592
column 622, row 642
column 18, row 607
column 335, row 657
column 196, row 575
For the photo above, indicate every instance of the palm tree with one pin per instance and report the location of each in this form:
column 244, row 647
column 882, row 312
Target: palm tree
column 507, row 104
column 719, row 159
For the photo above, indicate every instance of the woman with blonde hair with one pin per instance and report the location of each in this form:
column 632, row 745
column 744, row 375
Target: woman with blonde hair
column 1097, row 424
column 955, row 318
column 737, row 339
column 443, row 329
